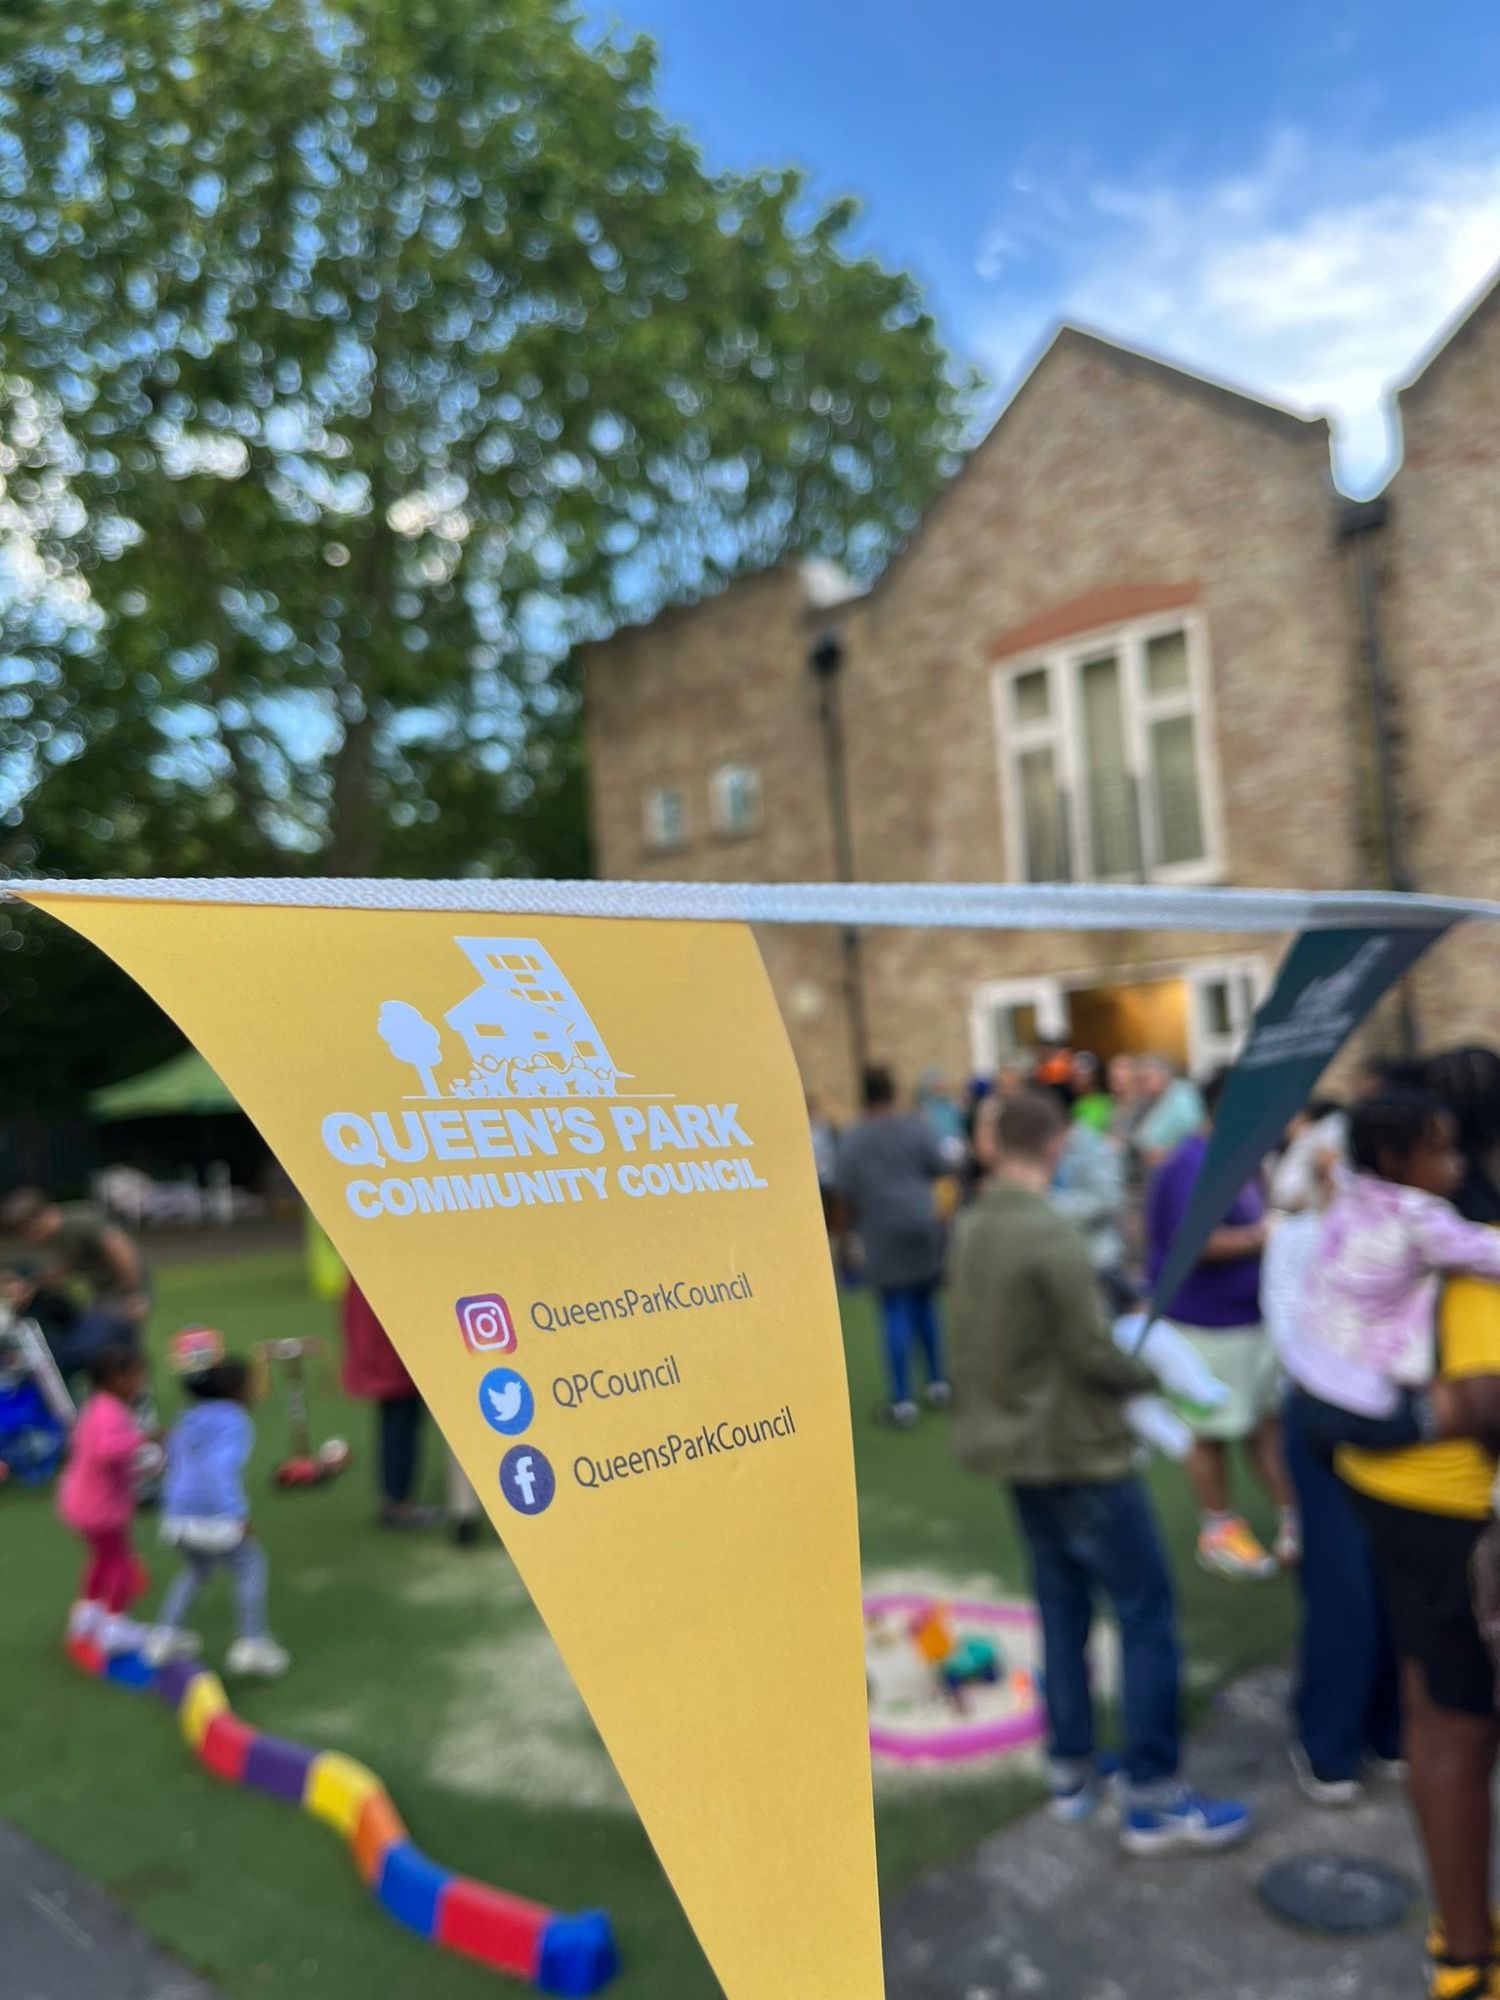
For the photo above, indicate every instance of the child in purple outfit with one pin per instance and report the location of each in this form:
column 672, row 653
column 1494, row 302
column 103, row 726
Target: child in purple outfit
column 206, row 1512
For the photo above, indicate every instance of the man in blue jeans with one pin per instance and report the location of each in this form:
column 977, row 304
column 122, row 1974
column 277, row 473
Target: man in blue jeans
column 1039, row 1394
column 888, row 1166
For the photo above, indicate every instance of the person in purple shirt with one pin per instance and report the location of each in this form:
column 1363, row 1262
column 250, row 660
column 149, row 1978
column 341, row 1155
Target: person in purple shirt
column 1218, row 1310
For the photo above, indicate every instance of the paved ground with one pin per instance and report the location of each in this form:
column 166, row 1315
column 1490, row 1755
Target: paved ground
column 1040, row 1912
column 1051, row 1912
column 63, row 1939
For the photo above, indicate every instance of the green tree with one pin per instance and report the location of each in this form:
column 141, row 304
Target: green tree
column 356, row 358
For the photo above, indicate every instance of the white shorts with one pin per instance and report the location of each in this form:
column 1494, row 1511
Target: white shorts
column 202, row 1534
column 1245, row 1362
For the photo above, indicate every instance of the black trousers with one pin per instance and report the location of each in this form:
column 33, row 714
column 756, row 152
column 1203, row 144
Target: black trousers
column 400, row 1425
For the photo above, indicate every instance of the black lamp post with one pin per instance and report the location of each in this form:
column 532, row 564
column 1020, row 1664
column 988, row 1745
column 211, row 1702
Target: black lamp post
column 826, row 661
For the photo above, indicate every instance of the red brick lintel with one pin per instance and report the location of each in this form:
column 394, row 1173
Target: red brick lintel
column 1093, row 611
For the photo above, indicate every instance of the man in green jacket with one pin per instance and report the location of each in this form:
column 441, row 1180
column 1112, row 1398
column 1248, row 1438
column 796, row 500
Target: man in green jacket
column 1039, row 1395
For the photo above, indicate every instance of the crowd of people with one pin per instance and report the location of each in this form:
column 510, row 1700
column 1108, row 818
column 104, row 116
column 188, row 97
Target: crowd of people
column 1345, row 1312
column 1348, row 1309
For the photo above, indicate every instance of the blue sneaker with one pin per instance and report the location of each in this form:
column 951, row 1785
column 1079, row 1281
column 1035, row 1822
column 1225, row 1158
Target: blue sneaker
column 1188, row 1820
column 1079, row 1789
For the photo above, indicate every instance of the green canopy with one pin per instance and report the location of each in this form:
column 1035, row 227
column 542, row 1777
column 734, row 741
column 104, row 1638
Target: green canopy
column 184, row 1084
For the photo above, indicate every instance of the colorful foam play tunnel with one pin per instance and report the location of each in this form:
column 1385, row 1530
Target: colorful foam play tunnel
column 569, row 1956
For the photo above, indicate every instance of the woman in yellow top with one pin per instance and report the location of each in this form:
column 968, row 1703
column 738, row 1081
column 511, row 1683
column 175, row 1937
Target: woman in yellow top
column 1424, row 1509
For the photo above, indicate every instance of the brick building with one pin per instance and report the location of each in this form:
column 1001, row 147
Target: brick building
column 1140, row 637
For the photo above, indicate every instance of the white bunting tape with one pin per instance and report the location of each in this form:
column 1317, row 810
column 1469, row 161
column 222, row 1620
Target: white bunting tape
column 923, row 905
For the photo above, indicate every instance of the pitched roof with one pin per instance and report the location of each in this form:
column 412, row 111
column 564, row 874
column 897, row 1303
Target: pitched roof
column 1132, row 361
column 1466, row 322
column 1173, row 375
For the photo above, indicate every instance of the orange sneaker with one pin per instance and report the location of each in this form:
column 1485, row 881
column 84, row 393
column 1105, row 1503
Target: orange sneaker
column 1229, row 1547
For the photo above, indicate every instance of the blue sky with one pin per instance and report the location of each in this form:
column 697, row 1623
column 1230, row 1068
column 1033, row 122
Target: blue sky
column 1294, row 196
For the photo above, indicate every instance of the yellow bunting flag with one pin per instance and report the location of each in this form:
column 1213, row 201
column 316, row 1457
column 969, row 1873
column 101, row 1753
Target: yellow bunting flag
column 567, row 1161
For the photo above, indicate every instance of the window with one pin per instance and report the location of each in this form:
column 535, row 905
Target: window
column 1105, row 771
column 1007, row 1017
column 666, row 819
column 734, row 799
column 1224, row 1000
column 1045, row 831
column 1108, row 784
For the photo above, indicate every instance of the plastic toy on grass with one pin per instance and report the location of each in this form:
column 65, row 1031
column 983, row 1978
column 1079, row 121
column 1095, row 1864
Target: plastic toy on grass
column 306, row 1466
column 569, row 1956
column 957, row 1663
column 36, row 1411
column 972, row 1663
column 950, row 1682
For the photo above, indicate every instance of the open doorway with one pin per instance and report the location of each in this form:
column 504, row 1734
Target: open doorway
column 1130, row 1020
column 1195, row 1015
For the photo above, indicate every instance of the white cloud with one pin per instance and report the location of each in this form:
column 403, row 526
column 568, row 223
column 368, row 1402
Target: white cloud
column 1316, row 277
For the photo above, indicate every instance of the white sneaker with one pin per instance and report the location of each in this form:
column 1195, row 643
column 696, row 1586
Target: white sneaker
column 1287, row 1547
column 1323, row 1791
column 1078, row 1790
column 119, row 1634
column 163, row 1644
column 84, row 1619
column 262, row 1658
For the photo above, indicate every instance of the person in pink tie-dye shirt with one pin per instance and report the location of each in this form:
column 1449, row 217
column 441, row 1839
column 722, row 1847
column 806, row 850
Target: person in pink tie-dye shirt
column 1367, row 1353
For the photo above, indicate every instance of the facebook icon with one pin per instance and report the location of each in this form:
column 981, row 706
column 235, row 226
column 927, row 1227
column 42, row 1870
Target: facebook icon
column 527, row 1479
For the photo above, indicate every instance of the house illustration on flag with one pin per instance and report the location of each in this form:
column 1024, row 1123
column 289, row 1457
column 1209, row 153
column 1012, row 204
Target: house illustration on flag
column 526, row 1030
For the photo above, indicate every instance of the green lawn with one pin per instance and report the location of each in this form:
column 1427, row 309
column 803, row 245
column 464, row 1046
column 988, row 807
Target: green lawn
column 427, row 1663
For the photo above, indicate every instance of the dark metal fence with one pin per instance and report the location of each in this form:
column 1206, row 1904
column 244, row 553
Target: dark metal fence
column 57, row 1151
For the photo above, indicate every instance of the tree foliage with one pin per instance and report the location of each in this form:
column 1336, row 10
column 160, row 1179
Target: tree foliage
column 354, row 359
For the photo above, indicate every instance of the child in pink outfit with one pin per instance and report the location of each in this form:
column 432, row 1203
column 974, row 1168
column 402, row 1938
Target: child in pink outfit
column 96, row 1499
column 1368, row 1353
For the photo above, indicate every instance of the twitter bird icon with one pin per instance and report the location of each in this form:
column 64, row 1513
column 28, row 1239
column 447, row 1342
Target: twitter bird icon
column 506, row 1402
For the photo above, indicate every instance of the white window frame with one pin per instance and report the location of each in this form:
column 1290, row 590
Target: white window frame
column 658, row 841
column 1062, row 733
column 1248, row 981
column 1047, row 996
column 719, row 792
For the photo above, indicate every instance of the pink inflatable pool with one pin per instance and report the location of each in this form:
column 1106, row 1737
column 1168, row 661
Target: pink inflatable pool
column 954, row 1738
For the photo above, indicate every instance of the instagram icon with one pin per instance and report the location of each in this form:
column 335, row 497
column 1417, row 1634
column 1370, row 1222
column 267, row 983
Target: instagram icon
column 486, row 1324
